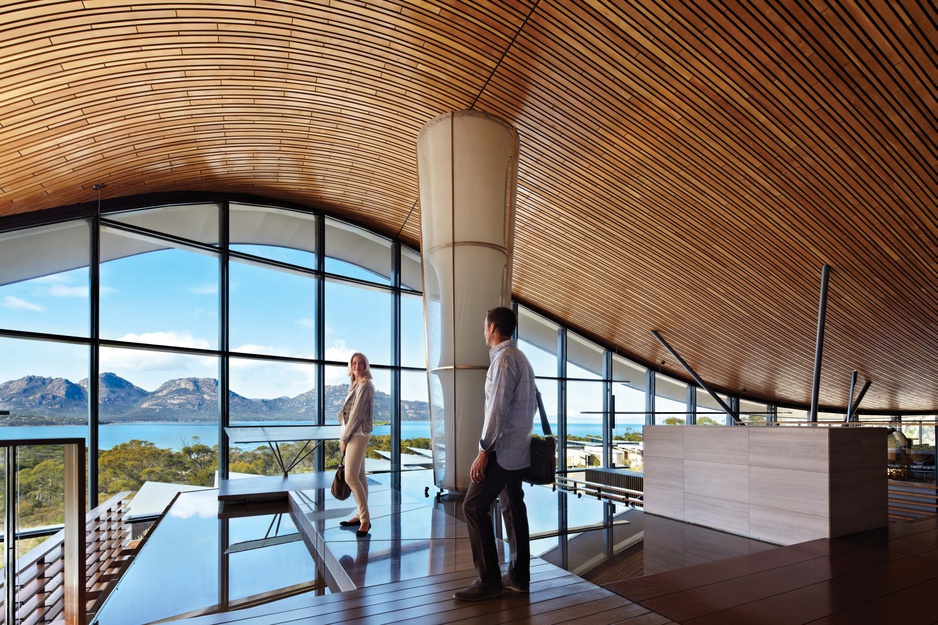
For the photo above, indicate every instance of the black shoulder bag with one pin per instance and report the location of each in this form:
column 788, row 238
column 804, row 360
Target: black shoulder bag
column 543, row 467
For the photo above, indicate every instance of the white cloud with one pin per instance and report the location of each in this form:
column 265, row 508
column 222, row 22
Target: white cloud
column 341, row 352
column 149, row 368
column 259, row 379
column 168, row 365
column 179, row 339
column 306, row 322
column 188, row 507
column 17, row 303
column 204, row 289
column 267, row 350
column 64, row 290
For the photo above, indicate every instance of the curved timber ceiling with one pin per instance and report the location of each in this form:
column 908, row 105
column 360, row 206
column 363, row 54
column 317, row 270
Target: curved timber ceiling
column 686, row 167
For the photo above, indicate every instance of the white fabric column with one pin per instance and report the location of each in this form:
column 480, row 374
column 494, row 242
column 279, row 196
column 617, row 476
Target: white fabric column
column 467, row 166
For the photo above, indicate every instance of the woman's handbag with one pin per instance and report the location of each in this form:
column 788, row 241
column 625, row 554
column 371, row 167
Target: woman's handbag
column 543, row 467
column 340, row 488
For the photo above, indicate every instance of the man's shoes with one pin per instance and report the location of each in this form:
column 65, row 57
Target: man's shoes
column 478, row 591
column 513, row 586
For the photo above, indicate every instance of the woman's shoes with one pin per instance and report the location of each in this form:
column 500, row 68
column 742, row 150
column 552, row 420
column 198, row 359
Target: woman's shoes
column 361, row 532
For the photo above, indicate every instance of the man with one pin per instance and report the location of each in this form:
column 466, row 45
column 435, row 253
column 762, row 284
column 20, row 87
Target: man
column 504, row 453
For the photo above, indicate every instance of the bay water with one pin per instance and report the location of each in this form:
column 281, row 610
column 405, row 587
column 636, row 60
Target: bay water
column 177, row 435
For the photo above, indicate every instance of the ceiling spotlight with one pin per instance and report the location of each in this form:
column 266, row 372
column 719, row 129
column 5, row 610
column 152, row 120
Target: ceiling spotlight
column 98, row 186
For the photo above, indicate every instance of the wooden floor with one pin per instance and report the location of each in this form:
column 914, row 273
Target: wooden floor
column 880, row 577
column 556, row 597
column 425, row 553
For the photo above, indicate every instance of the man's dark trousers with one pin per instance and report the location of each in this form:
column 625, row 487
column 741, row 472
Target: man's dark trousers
column 477, row 508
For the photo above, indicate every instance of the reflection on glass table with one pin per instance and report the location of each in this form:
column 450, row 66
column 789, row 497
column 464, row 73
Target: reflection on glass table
column 196, row 563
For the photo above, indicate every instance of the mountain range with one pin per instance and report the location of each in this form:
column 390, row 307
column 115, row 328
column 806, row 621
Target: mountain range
column 182, row 399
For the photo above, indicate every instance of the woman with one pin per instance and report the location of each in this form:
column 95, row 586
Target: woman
column 356, row 421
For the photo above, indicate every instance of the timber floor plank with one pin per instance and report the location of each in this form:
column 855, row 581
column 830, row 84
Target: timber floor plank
column 556, row 596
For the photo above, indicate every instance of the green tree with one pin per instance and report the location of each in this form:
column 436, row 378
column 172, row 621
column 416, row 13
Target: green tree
column 128, row 465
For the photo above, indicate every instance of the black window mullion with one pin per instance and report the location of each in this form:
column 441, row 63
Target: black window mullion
column 224, row 363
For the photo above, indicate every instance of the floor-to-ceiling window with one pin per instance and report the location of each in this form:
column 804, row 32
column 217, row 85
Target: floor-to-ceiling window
column 628, row 416
column 708, row 410
column 585, row 390
column 199, row 315
column 186, row 317
column 670, row 401
column 44, row 359
column 538, row 338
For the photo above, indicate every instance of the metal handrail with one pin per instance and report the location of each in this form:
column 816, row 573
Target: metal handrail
column 600, row 491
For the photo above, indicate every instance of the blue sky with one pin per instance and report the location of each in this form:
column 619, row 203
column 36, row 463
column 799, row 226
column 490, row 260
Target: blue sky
column 170, row 297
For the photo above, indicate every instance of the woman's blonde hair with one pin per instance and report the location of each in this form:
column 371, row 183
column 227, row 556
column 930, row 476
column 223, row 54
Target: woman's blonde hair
column 367, row 373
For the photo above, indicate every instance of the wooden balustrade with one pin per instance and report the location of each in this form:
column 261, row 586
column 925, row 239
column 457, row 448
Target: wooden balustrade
column 41, row 571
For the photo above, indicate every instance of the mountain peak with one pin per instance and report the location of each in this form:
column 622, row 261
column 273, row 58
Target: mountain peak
column 180, row 399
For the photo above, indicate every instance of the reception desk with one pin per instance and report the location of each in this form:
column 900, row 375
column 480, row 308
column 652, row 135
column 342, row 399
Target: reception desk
column 778, row 484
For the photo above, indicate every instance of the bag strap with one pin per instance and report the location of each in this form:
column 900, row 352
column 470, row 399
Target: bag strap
column 540, row 408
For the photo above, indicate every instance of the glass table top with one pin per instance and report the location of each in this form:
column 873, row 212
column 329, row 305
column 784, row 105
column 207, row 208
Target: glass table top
column 194, row 561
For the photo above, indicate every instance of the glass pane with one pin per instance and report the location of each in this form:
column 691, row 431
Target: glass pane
column 358, row 319
column 413, row 336
column 584, row 424
column 411, row 271
column 381, row 435
column 670, row 401
column 270, row 392
column 337, row 383
column 709, row 412
column 159, row 419
column 196, row 222
column 277, row 234
column 548, row 389
column 272, row 310
column 285, row 565
column 40, row 496
column 753, row 412
column 44, row 279
column 628, row 389
column 155, row 293
column 537, row 338
column 266, row 391
column 45, row 389
column 357, row 253
column 584, row 358
column 415, row 420
column 792, row 415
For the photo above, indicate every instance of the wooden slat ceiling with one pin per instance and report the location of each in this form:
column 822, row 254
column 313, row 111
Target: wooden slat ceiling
column 687, row 167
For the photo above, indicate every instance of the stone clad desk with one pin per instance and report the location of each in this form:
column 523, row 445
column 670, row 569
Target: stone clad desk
column 273, row 435
column 778, row 484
